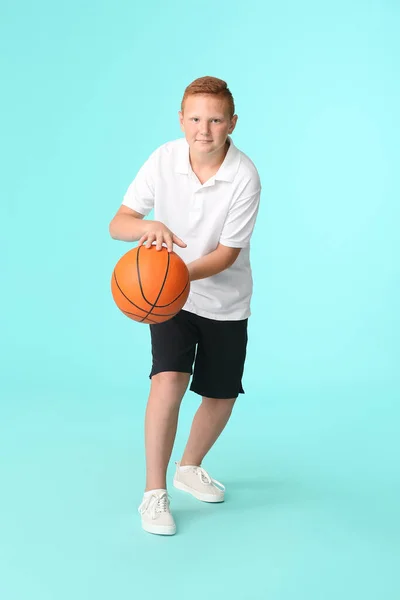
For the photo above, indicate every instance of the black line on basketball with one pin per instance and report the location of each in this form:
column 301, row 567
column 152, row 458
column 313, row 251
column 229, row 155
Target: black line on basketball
column 135, row 305
column 140, row 281
column 133, row 314
column 179, row 295
column 124, row 295
column 162, row 287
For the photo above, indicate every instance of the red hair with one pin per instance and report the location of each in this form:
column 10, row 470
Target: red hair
column 210, row 85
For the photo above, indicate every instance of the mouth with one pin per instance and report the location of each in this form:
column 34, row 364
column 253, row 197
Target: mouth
column 204, row 141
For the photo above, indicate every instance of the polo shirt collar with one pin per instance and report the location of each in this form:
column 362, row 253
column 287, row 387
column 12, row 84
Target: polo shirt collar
column 227, row 170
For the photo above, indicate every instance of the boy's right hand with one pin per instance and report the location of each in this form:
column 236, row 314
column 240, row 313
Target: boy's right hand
column 160, row 234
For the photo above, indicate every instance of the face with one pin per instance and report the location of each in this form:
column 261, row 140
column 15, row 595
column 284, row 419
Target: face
column 206, row 123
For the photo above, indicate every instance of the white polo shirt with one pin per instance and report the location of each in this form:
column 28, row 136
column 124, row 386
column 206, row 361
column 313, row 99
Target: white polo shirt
column 223, row 209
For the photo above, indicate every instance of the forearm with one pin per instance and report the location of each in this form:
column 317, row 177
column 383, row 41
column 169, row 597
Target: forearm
column 208, row 265
column 129, row 229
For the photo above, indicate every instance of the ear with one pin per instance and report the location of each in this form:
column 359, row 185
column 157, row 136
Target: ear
column 233, row 123
column 180, row 114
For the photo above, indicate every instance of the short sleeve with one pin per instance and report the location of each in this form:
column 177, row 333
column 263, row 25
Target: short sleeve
column 140, row 193
column 240, row 221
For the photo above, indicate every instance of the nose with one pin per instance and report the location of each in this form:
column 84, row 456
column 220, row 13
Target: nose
column 205, row 128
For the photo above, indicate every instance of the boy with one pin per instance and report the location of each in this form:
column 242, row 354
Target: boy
column 205, row 194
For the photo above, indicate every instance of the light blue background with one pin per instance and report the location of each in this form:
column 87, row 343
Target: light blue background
column 310, row 458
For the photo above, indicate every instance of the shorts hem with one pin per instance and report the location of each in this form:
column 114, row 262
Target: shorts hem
column 169, row 369
column 164, row 370
column 218, row 396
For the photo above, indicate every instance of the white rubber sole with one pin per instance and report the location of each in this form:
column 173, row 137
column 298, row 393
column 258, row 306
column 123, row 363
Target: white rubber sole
column 198, row 495
column 159, row 529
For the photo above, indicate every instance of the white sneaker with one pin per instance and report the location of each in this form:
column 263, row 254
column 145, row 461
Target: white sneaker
column 196, row 481
column 156, row 516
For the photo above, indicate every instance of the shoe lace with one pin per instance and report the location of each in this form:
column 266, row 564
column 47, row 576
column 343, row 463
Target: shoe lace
column 205, row 478
column 157, row 503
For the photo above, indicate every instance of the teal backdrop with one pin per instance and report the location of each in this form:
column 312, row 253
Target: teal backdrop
column 310, row 457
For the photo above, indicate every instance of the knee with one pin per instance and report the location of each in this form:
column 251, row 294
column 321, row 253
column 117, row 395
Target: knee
column 171, row 379
column 223, row 405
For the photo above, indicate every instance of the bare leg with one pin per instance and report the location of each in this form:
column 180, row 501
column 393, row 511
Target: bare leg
column 166, row 393
column 208, row 423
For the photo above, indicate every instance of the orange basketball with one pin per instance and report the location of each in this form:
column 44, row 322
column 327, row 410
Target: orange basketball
column 149, row 285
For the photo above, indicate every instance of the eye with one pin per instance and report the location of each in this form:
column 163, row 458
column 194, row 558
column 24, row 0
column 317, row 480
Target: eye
column 217, row 120
column 195, row 119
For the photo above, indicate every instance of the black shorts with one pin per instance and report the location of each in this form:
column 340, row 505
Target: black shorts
column 217, row 348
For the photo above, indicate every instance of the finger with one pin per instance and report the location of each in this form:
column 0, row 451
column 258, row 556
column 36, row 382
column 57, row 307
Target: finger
column 159, row 238
column 150, row 240
column 168, row 241
column 142, row 239
column 179, row 242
